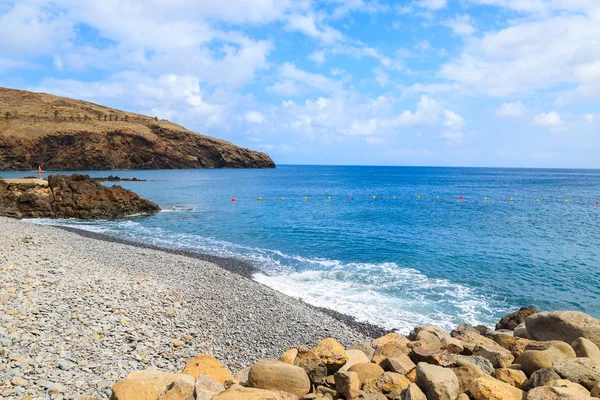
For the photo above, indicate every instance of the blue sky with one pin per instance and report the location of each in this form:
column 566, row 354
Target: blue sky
column 423, row 82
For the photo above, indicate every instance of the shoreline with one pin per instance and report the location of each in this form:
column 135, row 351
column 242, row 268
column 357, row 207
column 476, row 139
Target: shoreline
column 238, row 267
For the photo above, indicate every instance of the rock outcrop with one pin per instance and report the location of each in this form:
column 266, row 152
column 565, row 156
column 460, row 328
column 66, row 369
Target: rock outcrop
column 75, row 196
column 66, row 134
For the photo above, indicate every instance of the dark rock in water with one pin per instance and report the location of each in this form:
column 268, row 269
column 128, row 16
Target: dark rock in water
column 75, row 196
column 511, row 321
column 112, row 178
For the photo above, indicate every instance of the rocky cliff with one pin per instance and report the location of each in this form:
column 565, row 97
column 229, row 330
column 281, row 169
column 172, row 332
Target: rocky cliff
column 65, row 134
column 76, row 196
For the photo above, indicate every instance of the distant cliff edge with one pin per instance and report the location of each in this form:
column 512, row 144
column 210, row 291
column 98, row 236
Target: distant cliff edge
column 59, row 133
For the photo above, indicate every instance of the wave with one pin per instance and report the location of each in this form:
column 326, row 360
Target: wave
column 384, row 294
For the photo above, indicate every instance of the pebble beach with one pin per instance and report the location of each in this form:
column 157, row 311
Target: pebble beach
column 79, row 314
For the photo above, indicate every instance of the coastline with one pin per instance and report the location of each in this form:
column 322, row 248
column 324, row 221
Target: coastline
column 79, row 313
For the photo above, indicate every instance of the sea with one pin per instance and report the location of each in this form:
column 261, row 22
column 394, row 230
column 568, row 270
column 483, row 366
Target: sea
column 394, row 246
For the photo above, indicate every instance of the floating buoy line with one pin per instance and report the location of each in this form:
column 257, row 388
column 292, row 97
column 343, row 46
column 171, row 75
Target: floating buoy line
column 415, row 197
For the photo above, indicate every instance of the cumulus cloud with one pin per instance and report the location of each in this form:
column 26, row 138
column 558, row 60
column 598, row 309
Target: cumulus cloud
column 461, row 25
column 511, row 110
column 431, row 4
column 254, row 117
column 550, row 119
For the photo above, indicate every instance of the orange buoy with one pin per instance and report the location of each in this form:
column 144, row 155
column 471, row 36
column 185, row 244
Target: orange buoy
column 233, row 200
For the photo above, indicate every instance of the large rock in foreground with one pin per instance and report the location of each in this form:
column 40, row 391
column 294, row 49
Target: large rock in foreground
column 75, row 196
column 563, row 325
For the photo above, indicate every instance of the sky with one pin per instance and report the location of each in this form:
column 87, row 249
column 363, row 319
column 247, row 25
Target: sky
column 512, row 83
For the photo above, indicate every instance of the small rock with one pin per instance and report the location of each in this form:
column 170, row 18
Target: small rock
column 205, row 382
column 413, row 392
column 438, row 383
column 179, row 390
column 366, row 371
column 390, row 350
column 541, row 377
column 289, row 356
column 390, row 337
column 207, row 365
column 392, row 384
column 354, row 357
column 513, row 377
column 434, row 357
column 365, row 348
column 466, row 374
column 497, row 355
column 400, row 363
column 488, row 388
column 511, row 321
column 277, row 375
column 331, row 353
column 347, row 383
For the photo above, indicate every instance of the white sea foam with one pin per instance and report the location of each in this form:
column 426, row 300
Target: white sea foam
column 384, row 293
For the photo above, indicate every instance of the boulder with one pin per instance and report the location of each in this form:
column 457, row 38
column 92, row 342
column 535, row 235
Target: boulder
column 289, row 356
column 434, row 357
column 463, row 396
column 579, row 370
column 438, row 383
column 513, row 344
column 367, row 396
column 366, row 371
column 207, row 365
column 277, row 375
column 365, row 348
column 471, row 339
column 466, row 374
column 566, row 350
column 497, row 355
column 205, row 382
column 480, row 362
column 430, row 335
column 575, row 387
column 237, row 392
column 179, row 390
column 146, row 385
column 532, row 360
column 595, row 392
column 513, row 377
column 563, row 325
column 347, row 383
column 488, row 388
column 555, row 393
column 413, row 392
column 390, row 337
column 541, row 377
column 400, row 363
column 354, row 357
column 390, row 349
column 392, row 385
column 452, row 345
column 521, row 332
column 586, row 348
column 331, row 353
column 512, row 320
column 312, row 365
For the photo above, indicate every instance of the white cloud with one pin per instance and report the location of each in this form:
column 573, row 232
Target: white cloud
column 589, row 117
column 461, row 25
column 307, row 24
column 363, row 128
column 286, row 88
column 452, row 137
column 550, row 119
column 318, row 57
column 254, row 117
column 453, row 120
column 431, row 4
column 512, row 110
column 381, row 76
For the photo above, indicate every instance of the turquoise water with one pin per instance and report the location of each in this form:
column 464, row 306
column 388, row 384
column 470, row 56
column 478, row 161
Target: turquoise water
column 394, row 262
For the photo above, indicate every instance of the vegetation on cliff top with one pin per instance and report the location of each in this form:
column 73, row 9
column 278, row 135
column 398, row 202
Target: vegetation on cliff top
column 66, row 134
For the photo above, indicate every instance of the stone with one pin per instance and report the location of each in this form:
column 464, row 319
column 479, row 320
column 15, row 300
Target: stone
column 434, row 357
column 207, row 365
column 389, row 350
column 521, row 332
column 18, row 381
column 575, row 387
column 541, row 377
column 579, row 370
column 369, row 396
column 563, row 325
column 354, row 357
column 347, row 383
column 497, row 355
column 412, row 375
column 566, row 350
column 179, row 390
column 392, row 385
column 488, row 388
column 367, row 371
column 413, row 392
column 586, row 348
column 555, row 393
column 242, row 376
column 480, row 362
column 466, row 374
column 205, row 382
column 289, row 356
column 463, row 396
column 532, row 360
column 331, row 353
column 390, row 337
column 365, row 348
column 513, row 344
column 146, row 385
column 437, row 382
column 471, row 339
column 237, row 392
column 312, row 365
column 277, row 375
column 452, row 345
column 430, row 335
column 513, row 377
column 512, row 320
column 399, row 363
column 595, row 392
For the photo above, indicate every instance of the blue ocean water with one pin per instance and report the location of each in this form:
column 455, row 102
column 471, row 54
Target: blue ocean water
column 396, row 262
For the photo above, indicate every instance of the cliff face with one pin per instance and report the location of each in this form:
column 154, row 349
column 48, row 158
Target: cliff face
column 76, row 196
column 65, row 134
